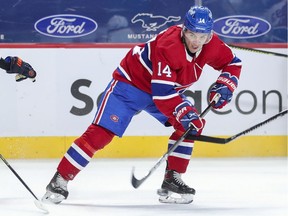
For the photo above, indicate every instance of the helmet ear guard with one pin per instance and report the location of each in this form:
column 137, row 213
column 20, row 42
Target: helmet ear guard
column 198, row 19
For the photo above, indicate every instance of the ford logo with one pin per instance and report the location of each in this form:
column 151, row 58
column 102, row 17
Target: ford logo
column 241, row 26
column 65, row 26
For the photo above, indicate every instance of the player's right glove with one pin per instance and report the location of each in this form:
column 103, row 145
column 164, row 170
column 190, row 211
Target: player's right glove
column 187, row 115
column 16, row 65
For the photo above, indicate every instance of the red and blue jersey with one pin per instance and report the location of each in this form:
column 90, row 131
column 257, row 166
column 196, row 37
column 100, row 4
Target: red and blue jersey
column 163, row 68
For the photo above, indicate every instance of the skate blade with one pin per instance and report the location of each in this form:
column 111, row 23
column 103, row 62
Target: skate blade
column 52, row 198
column 41, row 206
column 162, row 192
column 174, row 198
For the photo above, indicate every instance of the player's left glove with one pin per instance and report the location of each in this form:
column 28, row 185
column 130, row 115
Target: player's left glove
column 187, row 115
column 225, row 86
column 16, row 65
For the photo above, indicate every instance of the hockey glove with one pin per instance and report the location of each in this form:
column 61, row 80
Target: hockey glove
column 187, row 115
column 16, row 65
column 225, row 86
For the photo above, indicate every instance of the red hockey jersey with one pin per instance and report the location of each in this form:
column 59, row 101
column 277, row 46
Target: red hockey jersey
column 163, row 68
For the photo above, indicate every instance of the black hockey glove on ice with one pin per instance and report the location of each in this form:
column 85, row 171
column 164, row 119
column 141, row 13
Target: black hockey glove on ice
column 16, row 65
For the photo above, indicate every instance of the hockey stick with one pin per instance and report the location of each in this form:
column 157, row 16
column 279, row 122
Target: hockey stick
column 218, row 140
column 37, row 202
column 137, row 182
column 259, row 51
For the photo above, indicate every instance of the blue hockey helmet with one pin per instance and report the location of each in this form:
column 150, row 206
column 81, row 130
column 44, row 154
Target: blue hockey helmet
column 199, row 19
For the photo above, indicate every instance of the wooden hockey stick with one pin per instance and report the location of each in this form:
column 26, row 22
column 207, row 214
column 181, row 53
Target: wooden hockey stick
column 218, row 140
column 37, row 202
column 137, row 182
column 259, row 51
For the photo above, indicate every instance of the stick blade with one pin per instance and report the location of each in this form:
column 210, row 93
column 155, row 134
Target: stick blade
column 136, row 182
column 41, row 206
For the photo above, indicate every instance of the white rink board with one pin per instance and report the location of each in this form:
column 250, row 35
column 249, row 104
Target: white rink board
column 43, row 108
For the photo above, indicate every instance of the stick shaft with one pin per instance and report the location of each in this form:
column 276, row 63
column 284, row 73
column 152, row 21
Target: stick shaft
column 218, row 140
column 259, row 51
column 188, row 131
column 136, row 183
column 284, row 112
column 176, row 144
column 16, row 174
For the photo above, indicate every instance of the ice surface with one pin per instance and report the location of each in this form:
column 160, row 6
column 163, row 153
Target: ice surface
column 226, row 187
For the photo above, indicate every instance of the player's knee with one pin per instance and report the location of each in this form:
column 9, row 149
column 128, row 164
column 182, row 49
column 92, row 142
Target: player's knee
column 94, row 138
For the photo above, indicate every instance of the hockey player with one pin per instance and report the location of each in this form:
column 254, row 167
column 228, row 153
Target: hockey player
column 15, row 65
column 152, row 77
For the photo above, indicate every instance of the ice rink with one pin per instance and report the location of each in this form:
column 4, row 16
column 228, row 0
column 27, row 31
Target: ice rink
column 226, row 187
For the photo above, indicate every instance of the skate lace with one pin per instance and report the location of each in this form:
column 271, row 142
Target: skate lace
column 178, row 180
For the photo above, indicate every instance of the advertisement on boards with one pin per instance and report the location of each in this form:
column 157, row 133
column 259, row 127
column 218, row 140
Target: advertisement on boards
column 113, row 21
column 63, row 100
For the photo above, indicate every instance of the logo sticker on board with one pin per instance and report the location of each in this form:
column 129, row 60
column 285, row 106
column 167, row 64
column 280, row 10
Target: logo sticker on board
column 152, row 22
column 66, row 26
column 241, row 26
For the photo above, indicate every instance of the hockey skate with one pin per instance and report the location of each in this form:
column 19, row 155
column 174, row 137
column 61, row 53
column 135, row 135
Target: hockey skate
column 174, row 190
column 56, row 190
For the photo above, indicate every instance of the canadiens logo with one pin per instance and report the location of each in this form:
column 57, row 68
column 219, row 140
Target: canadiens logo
column 153, row 22
column 114, row 118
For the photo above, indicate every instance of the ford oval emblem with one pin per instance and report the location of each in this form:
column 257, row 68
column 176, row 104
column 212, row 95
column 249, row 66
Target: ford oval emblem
column 65, row 26
column 241, row 26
